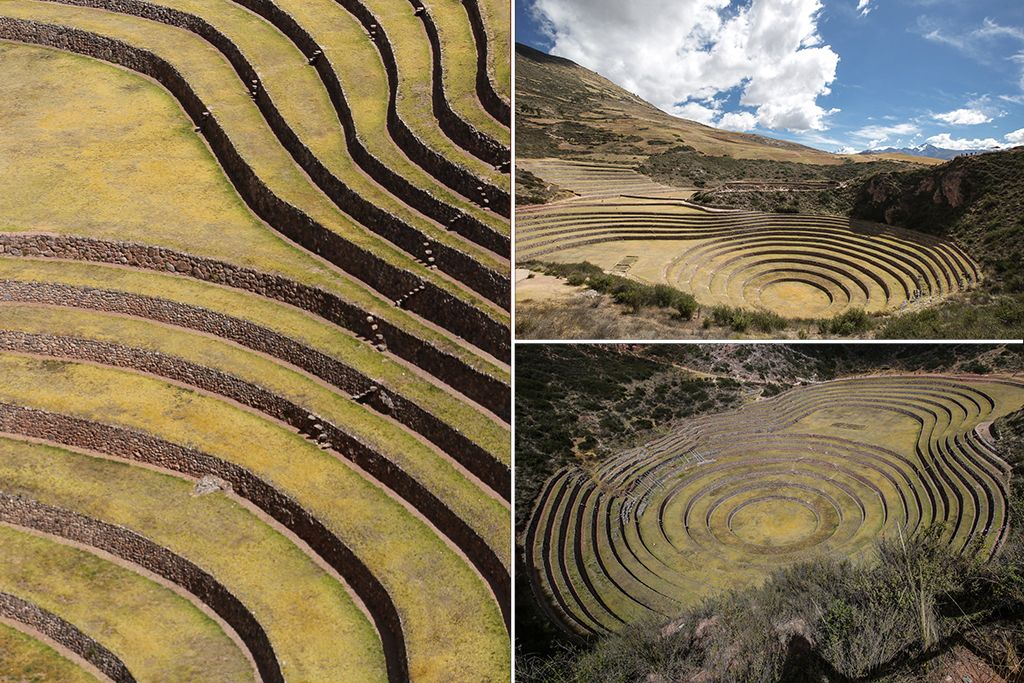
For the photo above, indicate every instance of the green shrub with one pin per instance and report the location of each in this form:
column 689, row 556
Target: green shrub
column 850, row 322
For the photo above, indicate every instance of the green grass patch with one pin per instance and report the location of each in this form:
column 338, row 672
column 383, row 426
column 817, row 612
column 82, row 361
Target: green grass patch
column 260, row 566
column 851, row 322
column 23, row 658
column 742, row 320
column 438, row 632
column 484, row 514
column 1001, row 317
column 630, row 293
column 158, row 634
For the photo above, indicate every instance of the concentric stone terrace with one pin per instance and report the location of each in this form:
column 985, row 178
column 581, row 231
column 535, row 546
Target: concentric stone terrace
column 721, row 503
column 254, row 339
column 794, row 265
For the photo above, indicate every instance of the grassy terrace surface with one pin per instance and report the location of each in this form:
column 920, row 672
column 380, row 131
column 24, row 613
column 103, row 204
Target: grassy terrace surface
column 721, row 502
column 499, row 53
column 442, row 622
column 299, row 95
column 218, row 86
column 412, row 57
column 458, row 59
column 364, row 81
column 158, row 634
column 799, row 266
column 437, row 472
column 199, row 213
column 288, row 321
column 24, row 656
column 173, row 294
column 593, row 180
column 260, row 566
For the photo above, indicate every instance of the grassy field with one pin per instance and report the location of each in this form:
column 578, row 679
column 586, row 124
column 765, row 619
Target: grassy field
column 24, row 657
column 158, row 634
column 720, row 502
column 96, row 151
column 259, row 565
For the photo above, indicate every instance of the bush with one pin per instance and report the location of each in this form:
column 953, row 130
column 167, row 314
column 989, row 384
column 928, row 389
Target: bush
column 686, row 306
column 850, row 322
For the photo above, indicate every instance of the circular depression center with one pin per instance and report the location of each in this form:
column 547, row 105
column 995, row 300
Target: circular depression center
column 795, row 298
column 775, row 521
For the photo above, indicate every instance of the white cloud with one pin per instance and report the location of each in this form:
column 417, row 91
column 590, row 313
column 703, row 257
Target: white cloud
column 675, row 53
column 696, row 111
column 738, row 121
column 876, row 135
column 1016, row 137
column 946, row 141
column 864, row 6
column 963, row 117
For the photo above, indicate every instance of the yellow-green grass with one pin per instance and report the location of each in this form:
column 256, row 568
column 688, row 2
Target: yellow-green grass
column 24, row 658
column 497, row 15
column 484, row 513
column 665, row 261
column 626, row 607
column 301, row 98
column 459, row 67
column 217, row 85
column 409, row 43
column 885, row 428
column 594, row 181
column 566, row 575
column 282, row 318
column 449, row 619
column 820, row 469
column 360, row 71
column 284, row 589
column 158, row 634
column 123, row 157
column 651, row 590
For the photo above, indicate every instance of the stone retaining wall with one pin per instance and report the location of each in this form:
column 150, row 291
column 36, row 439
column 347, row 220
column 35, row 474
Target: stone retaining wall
column 141, row 447
column 490, row 392
column 139, row 550
column 454, row 176
column 466, row 136
column 423, row 297
column 68, row 635
column 223, row 384
column 449, row 259
column 491, row 471
column 494, row 103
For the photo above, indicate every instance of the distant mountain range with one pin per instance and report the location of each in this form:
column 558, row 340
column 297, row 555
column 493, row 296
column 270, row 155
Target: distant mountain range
column 930, row 151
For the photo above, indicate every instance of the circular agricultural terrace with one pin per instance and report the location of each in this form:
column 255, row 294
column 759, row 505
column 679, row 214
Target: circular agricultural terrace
column 722, row 502
column 254, row 340
column 794, row 265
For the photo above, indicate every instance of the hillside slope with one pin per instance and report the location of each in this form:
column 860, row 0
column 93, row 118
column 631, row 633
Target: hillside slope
column 566, row 110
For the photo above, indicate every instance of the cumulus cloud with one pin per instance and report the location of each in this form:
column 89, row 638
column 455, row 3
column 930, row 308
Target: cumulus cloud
column 1016, row 137
column 682, row 54
column 947, row 141
column 963, row 117
column 864, row 6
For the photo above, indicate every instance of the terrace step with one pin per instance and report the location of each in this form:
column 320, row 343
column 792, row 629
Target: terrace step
column 670, row 525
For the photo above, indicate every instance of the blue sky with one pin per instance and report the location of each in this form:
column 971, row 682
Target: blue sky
column 833, row 74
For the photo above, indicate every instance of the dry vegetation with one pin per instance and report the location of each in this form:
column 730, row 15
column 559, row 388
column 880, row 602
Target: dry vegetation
column 332, row 365
column 650, row 462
